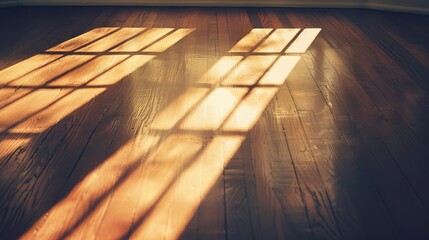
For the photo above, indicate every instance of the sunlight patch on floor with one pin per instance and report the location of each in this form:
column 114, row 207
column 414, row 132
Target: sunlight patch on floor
column 164, row 177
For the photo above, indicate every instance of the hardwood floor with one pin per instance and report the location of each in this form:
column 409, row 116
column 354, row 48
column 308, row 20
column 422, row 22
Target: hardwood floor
column 213, row 123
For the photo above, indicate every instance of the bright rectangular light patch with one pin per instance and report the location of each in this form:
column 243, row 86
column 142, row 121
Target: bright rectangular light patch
column 278, row 40
column 303, row 41
column 249, row 42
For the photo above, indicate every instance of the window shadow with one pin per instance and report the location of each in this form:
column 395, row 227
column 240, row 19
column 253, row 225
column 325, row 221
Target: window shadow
column 48, row 145
column 126, row 138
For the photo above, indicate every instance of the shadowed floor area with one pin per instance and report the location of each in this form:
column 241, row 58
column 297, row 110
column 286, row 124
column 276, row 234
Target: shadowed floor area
column 213, row 123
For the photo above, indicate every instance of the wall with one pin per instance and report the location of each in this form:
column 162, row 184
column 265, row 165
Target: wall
column 6, row 3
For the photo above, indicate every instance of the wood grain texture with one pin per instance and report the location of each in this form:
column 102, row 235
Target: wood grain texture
column 213, row 123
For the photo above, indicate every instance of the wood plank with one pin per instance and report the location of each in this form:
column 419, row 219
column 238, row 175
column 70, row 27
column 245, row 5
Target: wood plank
column 179, row 138
column 118, row 221
column 276, row 206
column 210, row 217
column 368, row 135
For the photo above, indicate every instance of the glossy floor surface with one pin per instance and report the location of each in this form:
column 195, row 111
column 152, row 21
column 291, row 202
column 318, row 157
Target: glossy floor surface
column 213, row 123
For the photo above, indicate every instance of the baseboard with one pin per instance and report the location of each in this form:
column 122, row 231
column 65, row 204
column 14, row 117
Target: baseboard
column 198, row 3
column 231, row 3
column 397, row 8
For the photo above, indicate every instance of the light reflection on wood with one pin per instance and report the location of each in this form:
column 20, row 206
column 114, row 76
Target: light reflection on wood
column 15, row 72
column 91, row 71
column 35, row 110
column 48, row 106
column 169, row 40
column 104, row 44
column 83, row 39
column 183, row 104
column 220, row 69
column 143, row 40
column 303, row 41
column 25, row 107
column 121, row 70
column 277, row 41
column 205, row 127
column 249, row 70
column 104, row 70
column 7, row 147
column 217, row 153
column 52, row 71
column 280, row 70
column 249, row 42
column 248, row 111
column 175, row 111
column 71, row 210
column 214, row 109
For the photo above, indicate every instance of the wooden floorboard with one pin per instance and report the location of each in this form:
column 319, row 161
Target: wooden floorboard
column 213, row 123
